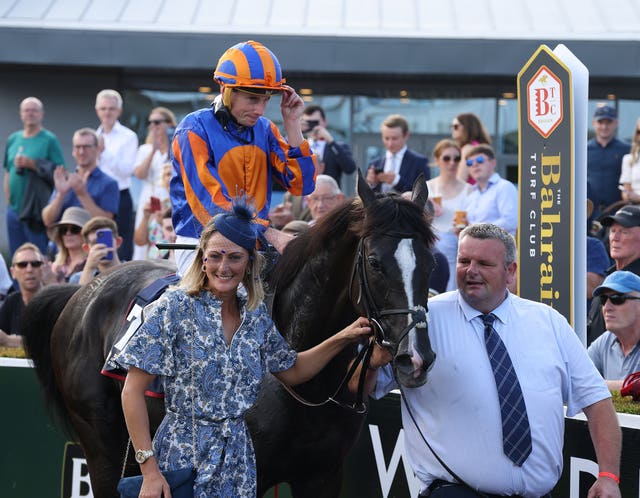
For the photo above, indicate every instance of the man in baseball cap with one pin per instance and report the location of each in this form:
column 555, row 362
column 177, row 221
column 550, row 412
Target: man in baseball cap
column 624, row 248
column 627, row 216
column 604, row 158
column 616, row 353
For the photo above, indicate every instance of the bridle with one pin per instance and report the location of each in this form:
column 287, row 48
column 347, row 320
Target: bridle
column 418, row 312
column 365, row 298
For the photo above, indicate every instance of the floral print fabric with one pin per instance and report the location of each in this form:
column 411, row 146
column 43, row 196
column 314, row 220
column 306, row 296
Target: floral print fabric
column 226, row 381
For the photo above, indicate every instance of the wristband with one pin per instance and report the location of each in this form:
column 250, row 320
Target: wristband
column 610, row 476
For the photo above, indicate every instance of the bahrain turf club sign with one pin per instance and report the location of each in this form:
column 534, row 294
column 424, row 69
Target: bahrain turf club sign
column 545, row 179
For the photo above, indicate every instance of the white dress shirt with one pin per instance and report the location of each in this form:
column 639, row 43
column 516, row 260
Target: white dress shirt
column 122, row 145
column 458, row 409
column 392, row 164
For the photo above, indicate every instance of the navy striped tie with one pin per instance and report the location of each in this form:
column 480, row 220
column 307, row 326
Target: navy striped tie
column 516, row 433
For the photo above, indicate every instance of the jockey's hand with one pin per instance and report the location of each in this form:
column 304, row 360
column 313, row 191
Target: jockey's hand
column 291, row 105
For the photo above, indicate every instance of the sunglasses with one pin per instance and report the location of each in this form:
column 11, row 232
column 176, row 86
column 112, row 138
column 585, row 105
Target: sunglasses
column 455, row 126
column 24, row 264
column 477, row 160
column 72, row 229
column 156, row 121
column 616, row 299
column 448, row 159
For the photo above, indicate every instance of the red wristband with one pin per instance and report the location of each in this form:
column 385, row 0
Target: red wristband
column 610, row 476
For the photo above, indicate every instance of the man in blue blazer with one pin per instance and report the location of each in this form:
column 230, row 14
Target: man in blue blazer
column 400, row 166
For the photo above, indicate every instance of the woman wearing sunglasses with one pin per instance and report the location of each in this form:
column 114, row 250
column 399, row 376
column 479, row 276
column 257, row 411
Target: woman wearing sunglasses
column 448, row 195
column 150, row 161
column 616, row 353
column 67, row 236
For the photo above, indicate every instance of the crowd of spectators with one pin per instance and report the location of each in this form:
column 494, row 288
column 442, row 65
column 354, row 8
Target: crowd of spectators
column 464, row 187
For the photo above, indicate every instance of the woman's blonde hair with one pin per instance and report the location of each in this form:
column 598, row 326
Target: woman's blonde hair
column 195, row 279
column 169, row 117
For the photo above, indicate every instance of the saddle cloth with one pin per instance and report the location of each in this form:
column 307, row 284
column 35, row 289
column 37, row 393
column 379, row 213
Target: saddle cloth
column 131, row 323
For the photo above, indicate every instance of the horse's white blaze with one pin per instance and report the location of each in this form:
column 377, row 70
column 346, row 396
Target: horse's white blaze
column 406, row 259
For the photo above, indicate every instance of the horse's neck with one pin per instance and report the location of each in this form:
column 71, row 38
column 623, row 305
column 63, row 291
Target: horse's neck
column 316, row 304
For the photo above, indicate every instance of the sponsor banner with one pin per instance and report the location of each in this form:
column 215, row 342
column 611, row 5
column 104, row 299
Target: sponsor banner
column 546, row 169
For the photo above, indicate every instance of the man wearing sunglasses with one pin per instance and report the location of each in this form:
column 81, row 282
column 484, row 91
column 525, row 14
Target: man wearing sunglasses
column 624, row 249
column 493, row 199
column 26, row 269
column 616, row 353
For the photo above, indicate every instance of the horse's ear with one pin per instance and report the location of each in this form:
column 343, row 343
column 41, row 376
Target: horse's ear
column 420, row 191
column 364, row 191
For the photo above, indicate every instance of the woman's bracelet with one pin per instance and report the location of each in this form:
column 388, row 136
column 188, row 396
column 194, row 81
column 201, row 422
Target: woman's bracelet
column 610, row 476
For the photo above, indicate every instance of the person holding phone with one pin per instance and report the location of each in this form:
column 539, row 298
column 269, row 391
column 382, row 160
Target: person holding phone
column 152, row 157
column 400, row 166
column 334, row 158
column 231, row 149
column 101, row 243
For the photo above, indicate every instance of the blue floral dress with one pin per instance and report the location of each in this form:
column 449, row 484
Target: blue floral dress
column 226, row 380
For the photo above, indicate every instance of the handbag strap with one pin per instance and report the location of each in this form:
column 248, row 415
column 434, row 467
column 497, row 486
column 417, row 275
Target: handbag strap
column 193, row 389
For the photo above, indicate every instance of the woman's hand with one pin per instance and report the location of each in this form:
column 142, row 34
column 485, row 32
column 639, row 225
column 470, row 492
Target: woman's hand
column 154, row 485
column 356, row 331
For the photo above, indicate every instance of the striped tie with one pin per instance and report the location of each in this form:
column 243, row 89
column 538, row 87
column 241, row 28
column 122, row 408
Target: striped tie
column 516, row 433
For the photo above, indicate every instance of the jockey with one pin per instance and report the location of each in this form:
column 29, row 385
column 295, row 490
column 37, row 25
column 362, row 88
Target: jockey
column 231, row 149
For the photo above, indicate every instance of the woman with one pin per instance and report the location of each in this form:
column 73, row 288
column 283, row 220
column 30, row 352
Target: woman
column 468, row 131
column 149, row 229
column 447, row 193
column 67, row 235
column 630, row 175
column 233, row 343
column 150, row 161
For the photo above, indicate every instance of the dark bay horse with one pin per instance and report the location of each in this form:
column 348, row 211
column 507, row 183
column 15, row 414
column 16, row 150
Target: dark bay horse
column 370, row 257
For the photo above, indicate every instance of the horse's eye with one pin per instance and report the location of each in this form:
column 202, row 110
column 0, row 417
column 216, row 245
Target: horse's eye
column 374, row 264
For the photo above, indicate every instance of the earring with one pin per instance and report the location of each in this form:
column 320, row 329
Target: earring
column 204, row 268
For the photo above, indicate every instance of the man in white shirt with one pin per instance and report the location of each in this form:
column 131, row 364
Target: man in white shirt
column 121, row 146
column 459, row 411
column 493, row 199
column 400, row 166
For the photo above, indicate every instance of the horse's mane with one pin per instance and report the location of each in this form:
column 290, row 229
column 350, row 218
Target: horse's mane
column 391, row 214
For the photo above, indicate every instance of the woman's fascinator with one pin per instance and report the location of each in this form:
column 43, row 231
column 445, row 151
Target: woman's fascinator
column 238, row 225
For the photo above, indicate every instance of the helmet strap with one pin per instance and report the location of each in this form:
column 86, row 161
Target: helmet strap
column 222, row 112
column 226, row 96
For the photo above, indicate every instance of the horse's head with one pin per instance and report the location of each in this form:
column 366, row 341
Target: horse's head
column 390, row 283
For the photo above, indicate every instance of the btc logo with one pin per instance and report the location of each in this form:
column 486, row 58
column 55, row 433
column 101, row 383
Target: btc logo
column 544, row 93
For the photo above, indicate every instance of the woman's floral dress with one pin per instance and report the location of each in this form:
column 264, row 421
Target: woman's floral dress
column 226, row 381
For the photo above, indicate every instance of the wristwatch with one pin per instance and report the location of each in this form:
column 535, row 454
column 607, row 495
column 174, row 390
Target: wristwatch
column 143, row 455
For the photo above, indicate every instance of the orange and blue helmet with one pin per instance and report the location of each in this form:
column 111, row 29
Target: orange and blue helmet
column 249, row 65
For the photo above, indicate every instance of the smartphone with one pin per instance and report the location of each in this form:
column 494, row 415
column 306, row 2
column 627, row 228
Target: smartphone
column 105, row 236
column 155, row 204
column 379, row 168
column 310, row 125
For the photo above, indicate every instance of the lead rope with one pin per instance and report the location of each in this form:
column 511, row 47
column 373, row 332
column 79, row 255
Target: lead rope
column 440, row 461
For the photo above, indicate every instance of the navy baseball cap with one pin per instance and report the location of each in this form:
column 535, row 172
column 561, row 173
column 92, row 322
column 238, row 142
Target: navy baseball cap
column 627, row 216
column 619, row 281
column 605, row 112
